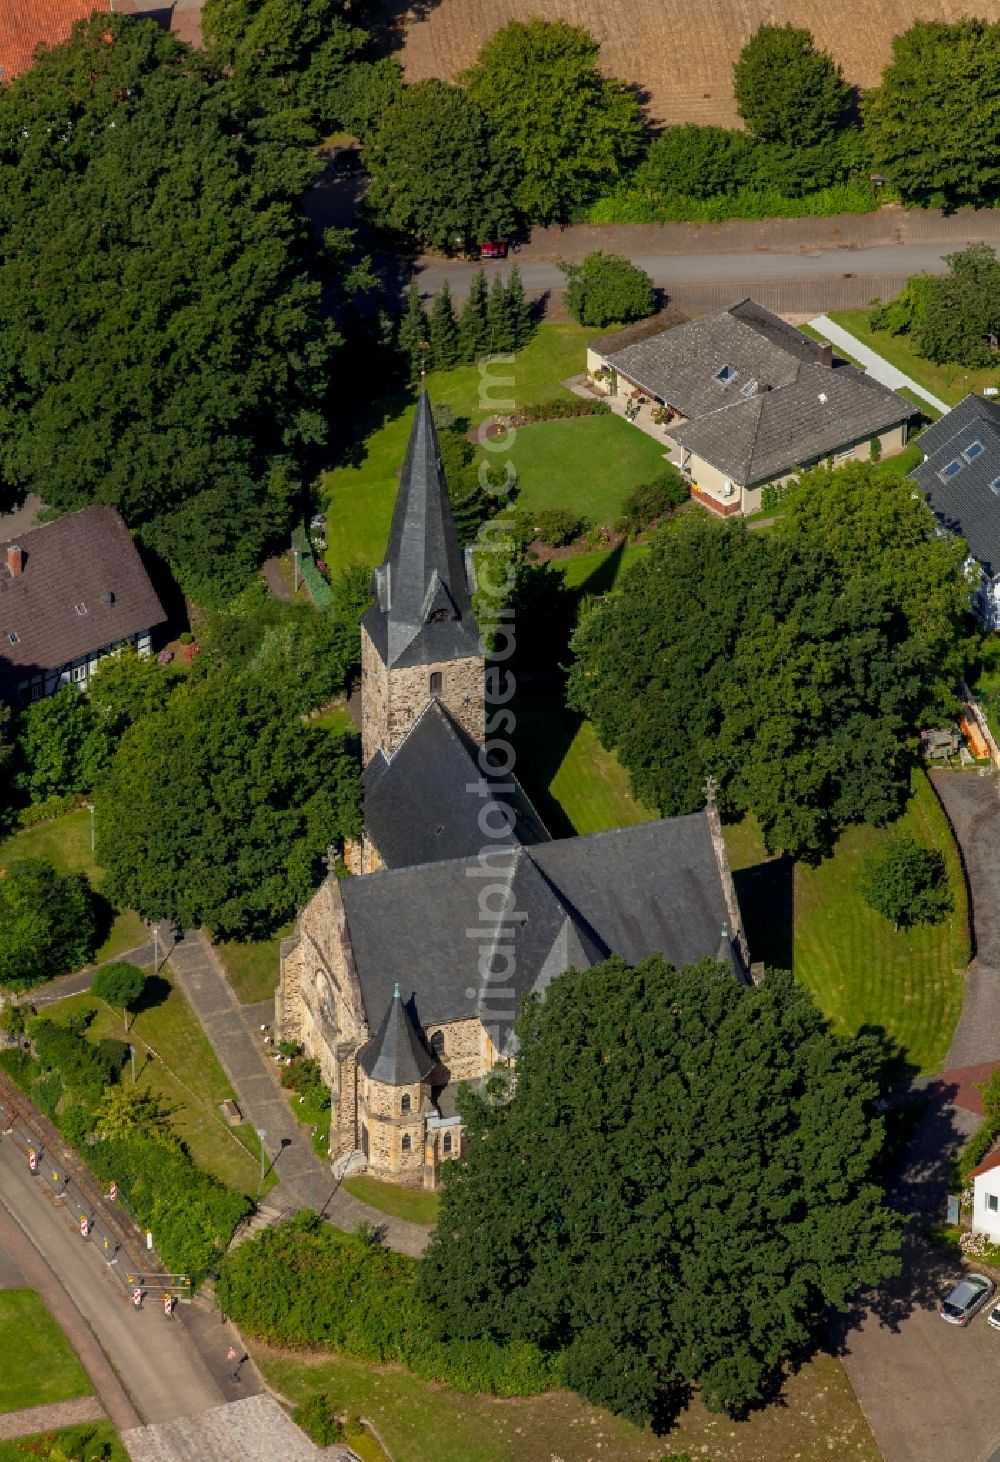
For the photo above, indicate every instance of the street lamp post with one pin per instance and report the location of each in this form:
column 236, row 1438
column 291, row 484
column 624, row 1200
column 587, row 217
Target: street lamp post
column 261, row 1133
column 295, row 560
column 90, row 808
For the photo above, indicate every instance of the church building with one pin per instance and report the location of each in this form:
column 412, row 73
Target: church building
column 403, row 980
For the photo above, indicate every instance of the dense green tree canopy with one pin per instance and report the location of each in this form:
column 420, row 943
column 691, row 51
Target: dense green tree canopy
column 563, row 131
column 124, row 687
column 787, row 91
column 119, row 984
column 219, row 809
column 47, row 923
column 61, row 747
column 934, row 123
column 698, row 162
column 907, row 883
column 681, row 1182
column 162, row 346
column 953, row 317
column 436, row 169
column 605, row 288
column 794, row 665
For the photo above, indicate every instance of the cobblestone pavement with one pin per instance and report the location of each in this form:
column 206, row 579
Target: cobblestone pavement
column 305, row 1181
column 49, row 1418
column 255, row 1430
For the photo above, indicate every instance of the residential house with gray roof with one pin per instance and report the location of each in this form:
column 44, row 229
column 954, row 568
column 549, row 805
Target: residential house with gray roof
column 960, row 478
column 404, row 981
column 750, row 401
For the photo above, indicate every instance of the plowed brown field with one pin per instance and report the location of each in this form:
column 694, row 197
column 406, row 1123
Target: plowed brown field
column 679, row 51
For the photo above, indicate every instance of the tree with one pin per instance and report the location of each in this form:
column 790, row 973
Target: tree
column 933, row 123
column 472, row 329
column 61, row 745
column 960, row 320
column 499, row 328
column 435, row 169
column 366, row 92
column 129, row 1111
column 728, row 1190
column 125, row 687
column 166, row 348
column 563, row 131
column 119, row 984
column 442, row 330
column 219, row 809
column 698, row 162
column 787, row 91
column 47, row 923
column 822, row 646
column 907, row 883
column 414, row 346
column 518, row 310
column 604, row 288
column 469, row 506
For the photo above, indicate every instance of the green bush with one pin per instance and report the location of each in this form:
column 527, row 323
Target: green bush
column 906, row 883
column 633, row 203
column 651, row 501
column 558, row 526
column 318, row 1420
column 559, row 408
column 604, row 289
column 48, row 923
column 46, row 811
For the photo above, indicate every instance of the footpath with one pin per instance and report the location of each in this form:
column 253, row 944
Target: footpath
column 876, row 365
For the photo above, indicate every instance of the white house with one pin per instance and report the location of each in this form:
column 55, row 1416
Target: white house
column 986, row 1196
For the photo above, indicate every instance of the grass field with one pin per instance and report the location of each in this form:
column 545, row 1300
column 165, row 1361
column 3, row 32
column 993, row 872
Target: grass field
column 862, row 974
column 97, row 1439
column 817, row 1418
column 65, row 843
column 175, row 1059
column 949, row 382
column 409, row 1203
column 587, row 463
column 37, row 1363
column 253, row 968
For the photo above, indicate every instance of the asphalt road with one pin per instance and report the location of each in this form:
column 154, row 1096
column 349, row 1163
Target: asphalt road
column 155, row 1372
column 668, row 270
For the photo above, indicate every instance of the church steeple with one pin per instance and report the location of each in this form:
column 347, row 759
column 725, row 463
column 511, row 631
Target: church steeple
column 424, row 609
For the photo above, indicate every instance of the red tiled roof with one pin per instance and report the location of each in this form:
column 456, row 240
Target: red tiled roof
column 24, row 24
column 991, row 1161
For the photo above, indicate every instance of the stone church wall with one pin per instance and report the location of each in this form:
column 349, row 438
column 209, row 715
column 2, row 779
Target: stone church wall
column 462, row 692
column 374, row 699
column 467, row 1051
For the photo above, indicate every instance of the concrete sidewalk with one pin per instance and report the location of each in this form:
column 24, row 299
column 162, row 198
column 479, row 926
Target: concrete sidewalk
column 305, row 1181
column 36, row 1419
column 876, row 365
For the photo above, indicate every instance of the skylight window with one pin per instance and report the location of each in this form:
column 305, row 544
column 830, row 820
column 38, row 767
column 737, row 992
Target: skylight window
column 748, row 387
column 995, row 486
column 725, row 374
column 950, row 469
column 80, row 608
column 14, row 637
column 972, row 451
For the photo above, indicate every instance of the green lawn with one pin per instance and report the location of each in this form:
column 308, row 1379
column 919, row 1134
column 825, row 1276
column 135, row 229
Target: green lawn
column 38, row 1365
column 949, row 382
column 185, row 1072
column 413, row 1204
column 597, row 573
column 93, row 1439
column 253, row 968
column 817, row 1418
column 587, row 463
column 65, row 843
column 359, row 495
column 814, row 920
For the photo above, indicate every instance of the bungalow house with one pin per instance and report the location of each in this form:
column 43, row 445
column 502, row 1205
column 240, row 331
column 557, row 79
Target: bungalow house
column 960, row 478
column 986, row 1196
column 71, row 592
column 745, row 400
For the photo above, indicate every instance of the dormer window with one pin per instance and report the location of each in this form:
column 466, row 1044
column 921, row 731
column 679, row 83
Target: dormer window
column 725, row 374
column 437, row 682
column 80, row 608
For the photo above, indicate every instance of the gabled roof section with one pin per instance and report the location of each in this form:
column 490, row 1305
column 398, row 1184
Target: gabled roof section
column 82, row 587
column 961, row 476
column 427, row 803
column 424, row 609
column 27, row 24
column 396, row 1055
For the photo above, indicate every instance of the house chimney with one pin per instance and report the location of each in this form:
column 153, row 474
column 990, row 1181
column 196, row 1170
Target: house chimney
column 826, row 355
column 15, row 559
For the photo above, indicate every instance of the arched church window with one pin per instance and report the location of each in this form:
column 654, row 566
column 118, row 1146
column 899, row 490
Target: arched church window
column 405, row 1104
column 446, row 1144
column 406, row 1143
column 437, row 1045
column 437, row 682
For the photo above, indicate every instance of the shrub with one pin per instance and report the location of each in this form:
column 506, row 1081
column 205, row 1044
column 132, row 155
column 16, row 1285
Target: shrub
column 48, row 923
column 651, row 501
column 46, row 811
column 605, row 288
column 698, row 162
column 558, row 526
column 318, row 1420
column 119, row 984
column 907, row 883
column 559, row 407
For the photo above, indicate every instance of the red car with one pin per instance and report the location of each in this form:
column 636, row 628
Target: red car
column 494, row 250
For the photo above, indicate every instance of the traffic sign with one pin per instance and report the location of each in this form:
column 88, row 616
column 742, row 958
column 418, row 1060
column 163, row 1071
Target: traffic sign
column 84, row 1226
column 32, row 1159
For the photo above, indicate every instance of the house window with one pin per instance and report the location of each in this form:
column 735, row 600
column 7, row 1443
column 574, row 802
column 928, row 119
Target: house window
column 725, row 374
column 405, row 1105
column 749, row 387
column 36, row 690
column 405, row 1144
column 80, row 608
column 446, row 1144
column 950, row 469
column 79, row 672
column 437, row 679
column 972, row 451
column 14, row 637
column 992, row 1203
column 995, row 486
column 437, row 1045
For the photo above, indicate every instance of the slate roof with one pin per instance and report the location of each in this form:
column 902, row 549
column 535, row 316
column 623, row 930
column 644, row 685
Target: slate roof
column 25, row 24
column 965, row 501
column 395, row 1054
column 767, row 417
column 424, row 804
column 86, row 558
column 423, row 610
column 568, row 903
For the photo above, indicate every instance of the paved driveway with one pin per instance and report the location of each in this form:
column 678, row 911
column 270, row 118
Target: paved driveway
column 931, row 1391
column 876, row 365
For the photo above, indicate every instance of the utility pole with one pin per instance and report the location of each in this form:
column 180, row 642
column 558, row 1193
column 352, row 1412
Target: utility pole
column 263, row 1158
column 90, row 808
